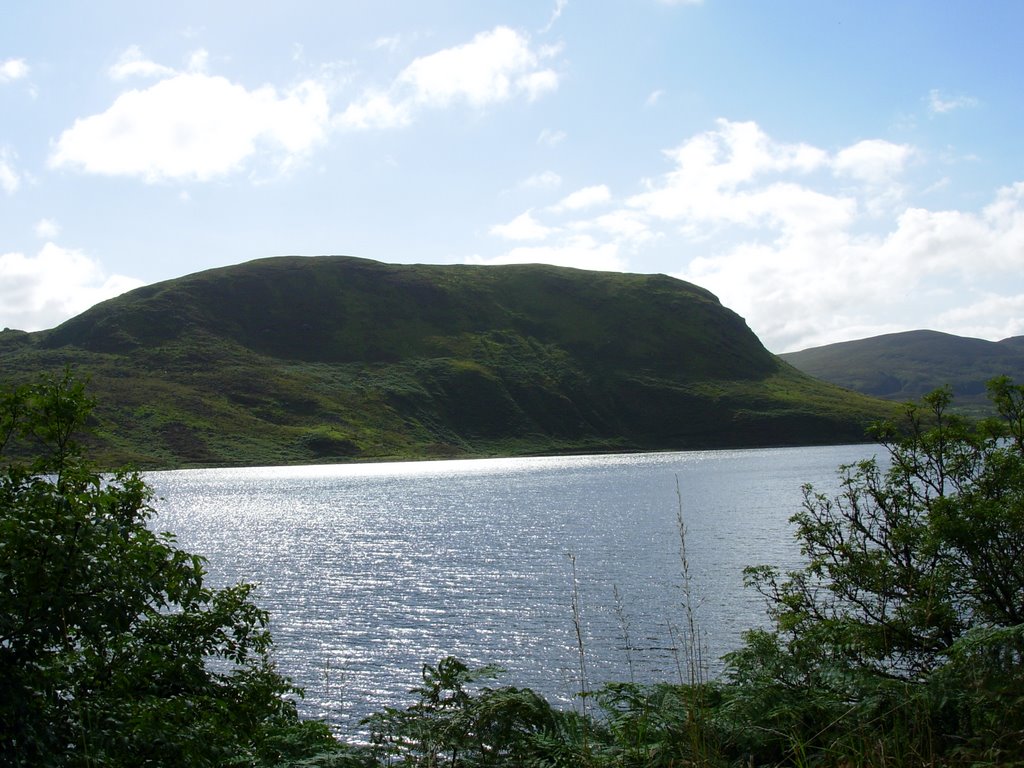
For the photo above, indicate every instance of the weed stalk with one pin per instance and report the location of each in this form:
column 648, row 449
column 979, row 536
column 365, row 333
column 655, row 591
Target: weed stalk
column 577, row 621
column 620, row 614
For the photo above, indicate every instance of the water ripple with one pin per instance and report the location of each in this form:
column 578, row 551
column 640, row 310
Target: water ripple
column 370, row 571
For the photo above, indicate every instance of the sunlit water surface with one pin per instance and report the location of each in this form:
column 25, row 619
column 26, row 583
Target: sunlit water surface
column 370, row 571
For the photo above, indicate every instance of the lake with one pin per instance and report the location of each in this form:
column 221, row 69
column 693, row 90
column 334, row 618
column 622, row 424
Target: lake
column 370, row 571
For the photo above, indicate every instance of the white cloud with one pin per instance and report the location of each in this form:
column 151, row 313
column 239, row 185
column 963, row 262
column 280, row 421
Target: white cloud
column 41, row 291
column 556, row 14
column 583, row 198
column 543, row 180
column 874, row 161
column 522, row 227
column 398, row 41
column 717, row 180
column 195, row 127
column 13, row 69
column 376, row 109
column 579, row 251
column 810, row 288
column 492, row 68
column 989, row 316
column 622, row 225
column 132, row 63
column 940, row 104
column 9, row 178
column 791, row 237
column 198, row 60
column 536, row 84
column 47, row 229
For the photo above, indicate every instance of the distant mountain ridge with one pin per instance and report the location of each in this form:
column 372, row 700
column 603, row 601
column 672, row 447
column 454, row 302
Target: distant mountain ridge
column 298, row 359
column 904, row 366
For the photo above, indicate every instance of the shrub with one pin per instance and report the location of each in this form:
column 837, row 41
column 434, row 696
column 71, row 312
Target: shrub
column 113, row 651
column 903, row 628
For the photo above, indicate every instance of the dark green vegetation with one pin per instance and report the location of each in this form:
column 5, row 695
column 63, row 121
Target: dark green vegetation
column 899, row 642
column 112, row 650
column 907, row 366
column 332, row 358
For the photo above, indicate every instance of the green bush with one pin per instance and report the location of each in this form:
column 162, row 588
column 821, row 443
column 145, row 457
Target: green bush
column 455, row 722
column 113, row 651
column 900, row 638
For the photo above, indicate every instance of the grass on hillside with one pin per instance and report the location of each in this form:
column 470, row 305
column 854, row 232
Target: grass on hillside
column 293, row 360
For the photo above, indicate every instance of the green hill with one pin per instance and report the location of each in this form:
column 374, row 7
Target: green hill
column 316, row 359
column 904, row 366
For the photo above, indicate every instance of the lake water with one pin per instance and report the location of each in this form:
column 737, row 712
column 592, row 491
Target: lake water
column 370, row 571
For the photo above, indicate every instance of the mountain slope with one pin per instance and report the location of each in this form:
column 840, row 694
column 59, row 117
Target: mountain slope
column 306, row 359
column 904, row 366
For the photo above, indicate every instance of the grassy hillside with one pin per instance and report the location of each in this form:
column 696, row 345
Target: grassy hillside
column 904, row 366
column 316, row 359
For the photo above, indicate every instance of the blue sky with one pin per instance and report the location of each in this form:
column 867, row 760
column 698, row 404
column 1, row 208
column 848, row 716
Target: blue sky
column 831, row 170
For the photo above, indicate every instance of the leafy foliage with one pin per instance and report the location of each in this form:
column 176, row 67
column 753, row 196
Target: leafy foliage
column 452, row 724
column 908, row 615
column 112, row 649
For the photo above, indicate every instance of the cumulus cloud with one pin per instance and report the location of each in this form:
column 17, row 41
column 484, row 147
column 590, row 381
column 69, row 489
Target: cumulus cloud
column 805, row 291
column 132, row 63
column 988, row 316
column 522, row 227
column 717, row 181
column 873, row 160
column 376, row 109
column 13, row 69
column 805, row 273
column 47, row 229
column 878, row 166
column 791, row 236
column 41, row 291
column 492, row 68
column 578, row 251
column 190, row 126
column 622, row 225
column 600, row 242
column 198, row 60
column 10, row 180
column 583, row 198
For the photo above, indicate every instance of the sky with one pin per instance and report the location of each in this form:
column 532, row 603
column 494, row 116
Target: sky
column 830, row 170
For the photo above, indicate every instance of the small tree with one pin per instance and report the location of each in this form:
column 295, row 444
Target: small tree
column 457, row 723
column 914, row 566
column 113, row 651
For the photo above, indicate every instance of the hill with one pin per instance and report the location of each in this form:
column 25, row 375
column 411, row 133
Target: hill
column 297, row 359
column 904, row 366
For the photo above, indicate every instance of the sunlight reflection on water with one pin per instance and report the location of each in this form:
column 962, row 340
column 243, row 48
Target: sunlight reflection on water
column 370, row 571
